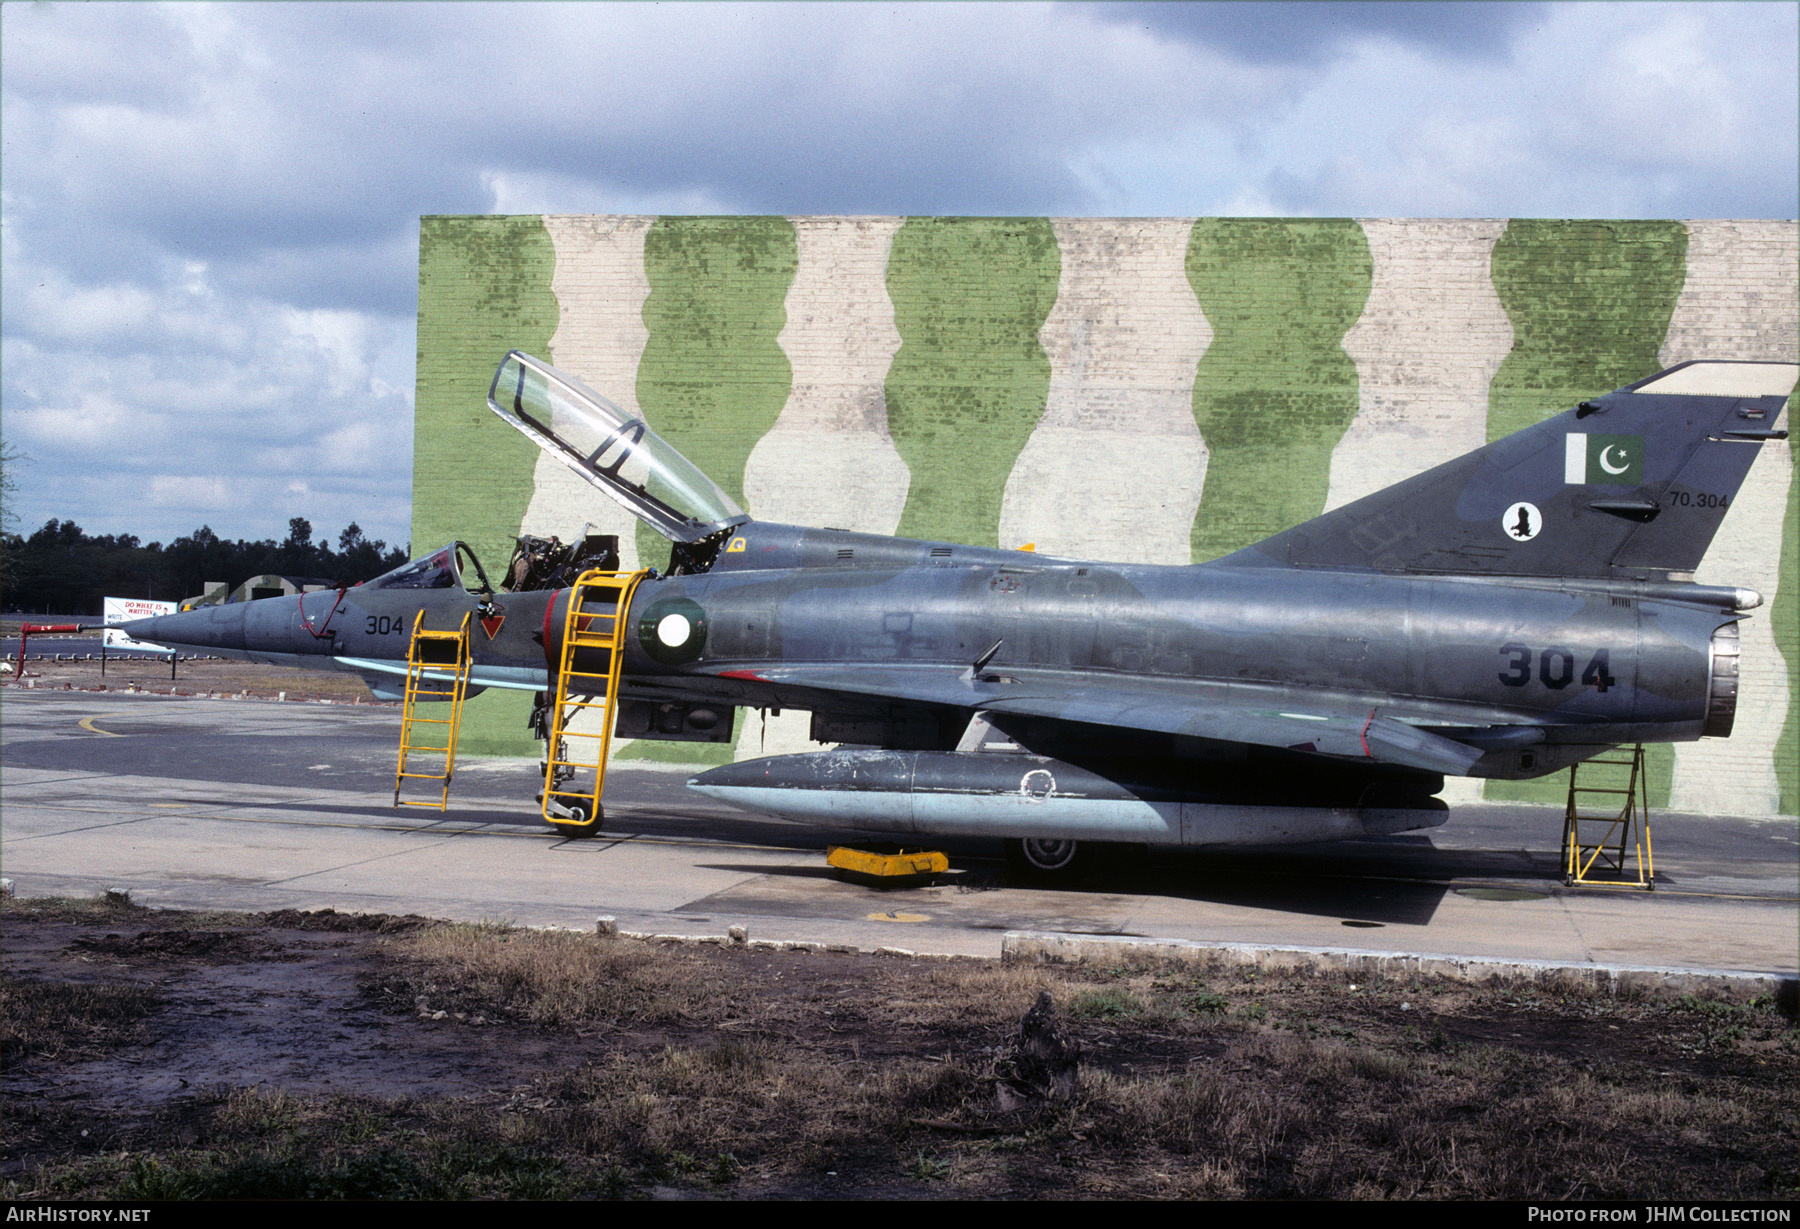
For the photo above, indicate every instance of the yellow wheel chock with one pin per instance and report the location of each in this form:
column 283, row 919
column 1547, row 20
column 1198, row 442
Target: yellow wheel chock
column 886, row 865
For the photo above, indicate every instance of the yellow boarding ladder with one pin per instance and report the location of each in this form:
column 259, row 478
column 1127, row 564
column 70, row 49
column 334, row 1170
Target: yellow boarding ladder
column 593, row 629
column 437, row 668
column 1584, row 858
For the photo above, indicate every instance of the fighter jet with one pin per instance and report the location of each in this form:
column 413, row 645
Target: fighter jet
column 1509, row 613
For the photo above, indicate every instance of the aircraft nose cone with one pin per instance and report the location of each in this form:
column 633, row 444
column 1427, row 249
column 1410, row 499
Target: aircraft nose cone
column 143, row 629
column 210, row 627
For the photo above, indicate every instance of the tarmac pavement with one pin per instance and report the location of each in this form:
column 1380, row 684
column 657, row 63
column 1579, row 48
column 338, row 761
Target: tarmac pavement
column 244, row 804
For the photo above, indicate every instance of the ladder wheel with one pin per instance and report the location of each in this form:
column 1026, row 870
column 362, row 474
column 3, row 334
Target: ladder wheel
column 579, row 824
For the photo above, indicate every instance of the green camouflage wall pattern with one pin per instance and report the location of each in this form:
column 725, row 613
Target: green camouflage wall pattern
column 484, row 289
column 712, row 380
column 1275, row 390
column 969, row 382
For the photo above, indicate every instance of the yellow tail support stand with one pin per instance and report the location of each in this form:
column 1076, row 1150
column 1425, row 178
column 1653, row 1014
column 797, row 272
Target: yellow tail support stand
column 437, row 669
column 593, row 638
column 1601, row 862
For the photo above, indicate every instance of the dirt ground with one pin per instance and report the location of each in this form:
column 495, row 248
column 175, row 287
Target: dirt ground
column 154, row 1054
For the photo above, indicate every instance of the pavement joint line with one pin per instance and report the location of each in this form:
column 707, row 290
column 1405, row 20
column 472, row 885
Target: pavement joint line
column 74, row 804
column 342, row 866
column 246, row 819
column 1552, row 890
column 78, row 776
column 481, row 827
column 41, row 836
column 602, row 844
column 1575, row 928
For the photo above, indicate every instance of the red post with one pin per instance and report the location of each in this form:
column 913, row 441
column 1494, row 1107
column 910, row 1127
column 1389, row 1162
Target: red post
column 26, row 629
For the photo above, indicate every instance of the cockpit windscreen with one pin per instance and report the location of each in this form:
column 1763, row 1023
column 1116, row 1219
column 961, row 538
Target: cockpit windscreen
column 434, row 571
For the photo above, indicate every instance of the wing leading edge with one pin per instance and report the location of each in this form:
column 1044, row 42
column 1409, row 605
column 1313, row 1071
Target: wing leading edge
column 1228, row 712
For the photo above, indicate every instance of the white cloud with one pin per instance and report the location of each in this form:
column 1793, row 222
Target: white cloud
column 186, row 491
column 210, row 212
column 59, row 309
column 342, row 340
column 302, row 410
column 527, row 192
column 1598, row 111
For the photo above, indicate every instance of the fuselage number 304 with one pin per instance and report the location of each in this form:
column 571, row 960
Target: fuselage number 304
column 1555, row 667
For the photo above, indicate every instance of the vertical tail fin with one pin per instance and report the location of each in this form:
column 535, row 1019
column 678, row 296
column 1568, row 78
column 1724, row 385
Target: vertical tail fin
column 1630, row 485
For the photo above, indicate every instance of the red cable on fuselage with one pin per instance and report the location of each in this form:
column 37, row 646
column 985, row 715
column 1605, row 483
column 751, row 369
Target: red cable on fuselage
column 324, row 629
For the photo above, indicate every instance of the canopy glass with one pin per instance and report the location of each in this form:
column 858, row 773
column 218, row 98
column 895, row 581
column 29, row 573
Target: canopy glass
column 611, row 449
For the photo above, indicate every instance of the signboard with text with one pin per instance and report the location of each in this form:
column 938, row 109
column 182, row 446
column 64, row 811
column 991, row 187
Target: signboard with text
column 124, row 610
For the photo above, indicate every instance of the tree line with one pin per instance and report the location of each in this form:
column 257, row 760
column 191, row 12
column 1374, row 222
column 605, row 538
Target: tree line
column 61, row 570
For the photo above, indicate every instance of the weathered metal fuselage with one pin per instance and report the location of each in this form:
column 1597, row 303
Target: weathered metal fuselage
column 1532, row 675
column 1584, row 662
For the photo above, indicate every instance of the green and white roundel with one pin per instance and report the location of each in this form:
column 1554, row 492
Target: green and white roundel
column 673, row 630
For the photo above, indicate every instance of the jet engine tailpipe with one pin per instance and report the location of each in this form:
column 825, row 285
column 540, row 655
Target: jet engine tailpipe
column 1721, row 683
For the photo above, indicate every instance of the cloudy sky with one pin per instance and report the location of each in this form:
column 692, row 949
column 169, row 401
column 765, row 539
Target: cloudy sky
column 211, row 211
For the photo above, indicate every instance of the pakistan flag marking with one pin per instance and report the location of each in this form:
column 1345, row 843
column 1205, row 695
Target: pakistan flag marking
column 1604, row 460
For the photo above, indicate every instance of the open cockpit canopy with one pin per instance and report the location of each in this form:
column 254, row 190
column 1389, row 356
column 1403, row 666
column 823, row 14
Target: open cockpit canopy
column 611, row 449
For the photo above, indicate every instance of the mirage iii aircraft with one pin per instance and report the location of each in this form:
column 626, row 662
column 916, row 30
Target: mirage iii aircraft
column 1519, row 609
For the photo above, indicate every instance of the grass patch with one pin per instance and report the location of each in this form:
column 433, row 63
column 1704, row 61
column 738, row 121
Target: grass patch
column 559, row 979
column 1106, row 1003
column 104, row 911
column 62, row 1020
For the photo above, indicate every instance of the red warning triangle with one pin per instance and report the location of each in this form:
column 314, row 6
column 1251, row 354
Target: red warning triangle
column 491, row 624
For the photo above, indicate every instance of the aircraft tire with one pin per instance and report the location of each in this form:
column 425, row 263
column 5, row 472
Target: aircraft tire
column 580, row 824
column 1040, row 857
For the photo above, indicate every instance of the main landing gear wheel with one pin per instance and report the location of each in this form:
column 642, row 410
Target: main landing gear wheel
column 1041, row 855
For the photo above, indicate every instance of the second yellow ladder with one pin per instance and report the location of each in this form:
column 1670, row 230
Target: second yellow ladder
column 593, row 639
